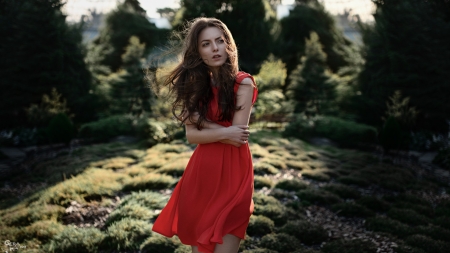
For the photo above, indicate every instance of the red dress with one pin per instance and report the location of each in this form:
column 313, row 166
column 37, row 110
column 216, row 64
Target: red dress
column 214, row 196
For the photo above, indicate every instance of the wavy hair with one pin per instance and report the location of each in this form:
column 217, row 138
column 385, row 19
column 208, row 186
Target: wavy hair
column 189, row 82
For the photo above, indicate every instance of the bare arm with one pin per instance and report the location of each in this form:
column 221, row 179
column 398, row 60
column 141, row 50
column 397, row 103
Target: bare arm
column 244, row 100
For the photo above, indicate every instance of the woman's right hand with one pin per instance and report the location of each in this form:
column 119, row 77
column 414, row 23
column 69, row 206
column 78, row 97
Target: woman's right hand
column 237, row 134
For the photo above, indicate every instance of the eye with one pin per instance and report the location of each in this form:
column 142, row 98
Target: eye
column 205, row 44
column 221, row 40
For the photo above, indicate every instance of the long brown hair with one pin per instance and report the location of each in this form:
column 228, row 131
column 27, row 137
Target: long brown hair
column 189, row 82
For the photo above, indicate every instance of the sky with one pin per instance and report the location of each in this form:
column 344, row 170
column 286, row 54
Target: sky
column 75, row 8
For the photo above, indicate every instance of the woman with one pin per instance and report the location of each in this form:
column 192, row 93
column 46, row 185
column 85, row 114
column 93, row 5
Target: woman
column 211, row 205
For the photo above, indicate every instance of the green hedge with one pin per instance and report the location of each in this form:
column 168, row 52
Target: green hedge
column 107, row 128
column 344, row 132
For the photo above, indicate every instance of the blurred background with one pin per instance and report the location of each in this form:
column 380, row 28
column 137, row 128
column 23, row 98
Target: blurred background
column 357, row 72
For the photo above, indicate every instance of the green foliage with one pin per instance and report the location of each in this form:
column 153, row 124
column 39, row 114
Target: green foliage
column 311, row 84
column 43, row 230
column 351, row 210
column 107, row 128
column 343, row 191
column 159, row 243
column 373, row 203
column 158, row 131
column 443, row 158
column 260, row 225
column 149, row 199
column 291, row 184
column 350, row 246
column 311, row 16
column 306, row 232
column 427, row 244
column 344, row 132
column 60, row 129
column 261, row 181
column 130, row 210
column 150, row 181
column 271, row 208
column 50, row 106
column 387, row 225
column 127, row 234
column 262, row 168
column 42, row 52
column 74, row 240
column 408, row 216
column 318, row 197
column 435, row 232
column 280, row 242
column 401, row 29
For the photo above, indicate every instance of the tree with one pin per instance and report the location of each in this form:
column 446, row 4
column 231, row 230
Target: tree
column 127, row 20
column 131, row 94
column 311, row 84
column 252, row 23
column 305, row 17
column 407, row 50
column 40, row 51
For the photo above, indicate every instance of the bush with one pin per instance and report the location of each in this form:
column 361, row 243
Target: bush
column 60, row 129
column 271, row 208
column 291, row 185
column 351, row 210
column 443, row 158
column 75, row 240
column 260, row 182
column 343, row 191
column 280, row 242
column 150, row 181
column 41, row 230
column 427, row 244
column 149, row 199
column 130, row 210
column 408, row 216
column 373, row 203
column 318, row 197
column 387, row 225
column 306, row 232
column 260, row 225
column 155, row 131
column 318, row 175
column 347, row 133
column 107, row 128
column 127, row 234
column 350, row 246
column 159, row 243
column 262, row 168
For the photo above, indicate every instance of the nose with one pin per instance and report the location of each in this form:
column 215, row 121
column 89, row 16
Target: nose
column 214, row 47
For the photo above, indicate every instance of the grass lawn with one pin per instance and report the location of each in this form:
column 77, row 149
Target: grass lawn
column 105, row 198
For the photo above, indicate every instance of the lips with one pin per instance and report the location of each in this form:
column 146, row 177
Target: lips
column 216, row 56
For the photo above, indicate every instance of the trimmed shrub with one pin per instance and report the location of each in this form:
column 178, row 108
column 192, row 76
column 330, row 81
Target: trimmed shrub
column 291, row 184
column 150, row 181
column 130, row 210
column 41, row 230
column 297, row 165
column 260, row 225
column 345, row 132
column 318, row 175
column 127, row 234
column 306, row 232
column 60, row 129
column 156, row 131
column 343, row 191
column 387, row 225
column 351, row 210
column 260, row 182
column 350, row 246
column 427, row 244
column 319, row 197
column 373, row 203
column 262, row 168
column 75, row 240
column 173, row 168
column 271, row 208
column 280, row 242
column 107, row 128
column 159, row 243
column 408, row 216
column 149, row 199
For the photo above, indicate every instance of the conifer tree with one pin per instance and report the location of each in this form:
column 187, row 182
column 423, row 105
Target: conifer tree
column 311, row 84
column 407, row 50
column 40, row 51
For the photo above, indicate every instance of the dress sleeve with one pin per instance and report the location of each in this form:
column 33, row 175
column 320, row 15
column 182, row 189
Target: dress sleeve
column 241, row 76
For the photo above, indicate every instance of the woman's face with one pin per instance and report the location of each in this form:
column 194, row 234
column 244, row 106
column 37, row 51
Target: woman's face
column 212, row 47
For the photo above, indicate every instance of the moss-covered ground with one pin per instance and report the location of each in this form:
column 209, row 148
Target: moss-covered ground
column 105, row 198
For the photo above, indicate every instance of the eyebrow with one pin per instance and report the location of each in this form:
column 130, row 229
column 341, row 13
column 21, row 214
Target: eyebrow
column 214, row 39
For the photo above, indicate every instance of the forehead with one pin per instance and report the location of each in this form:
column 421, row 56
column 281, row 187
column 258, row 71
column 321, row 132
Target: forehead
column 210, row 33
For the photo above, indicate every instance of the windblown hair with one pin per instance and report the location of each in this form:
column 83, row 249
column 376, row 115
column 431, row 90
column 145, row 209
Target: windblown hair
column 189, row 82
